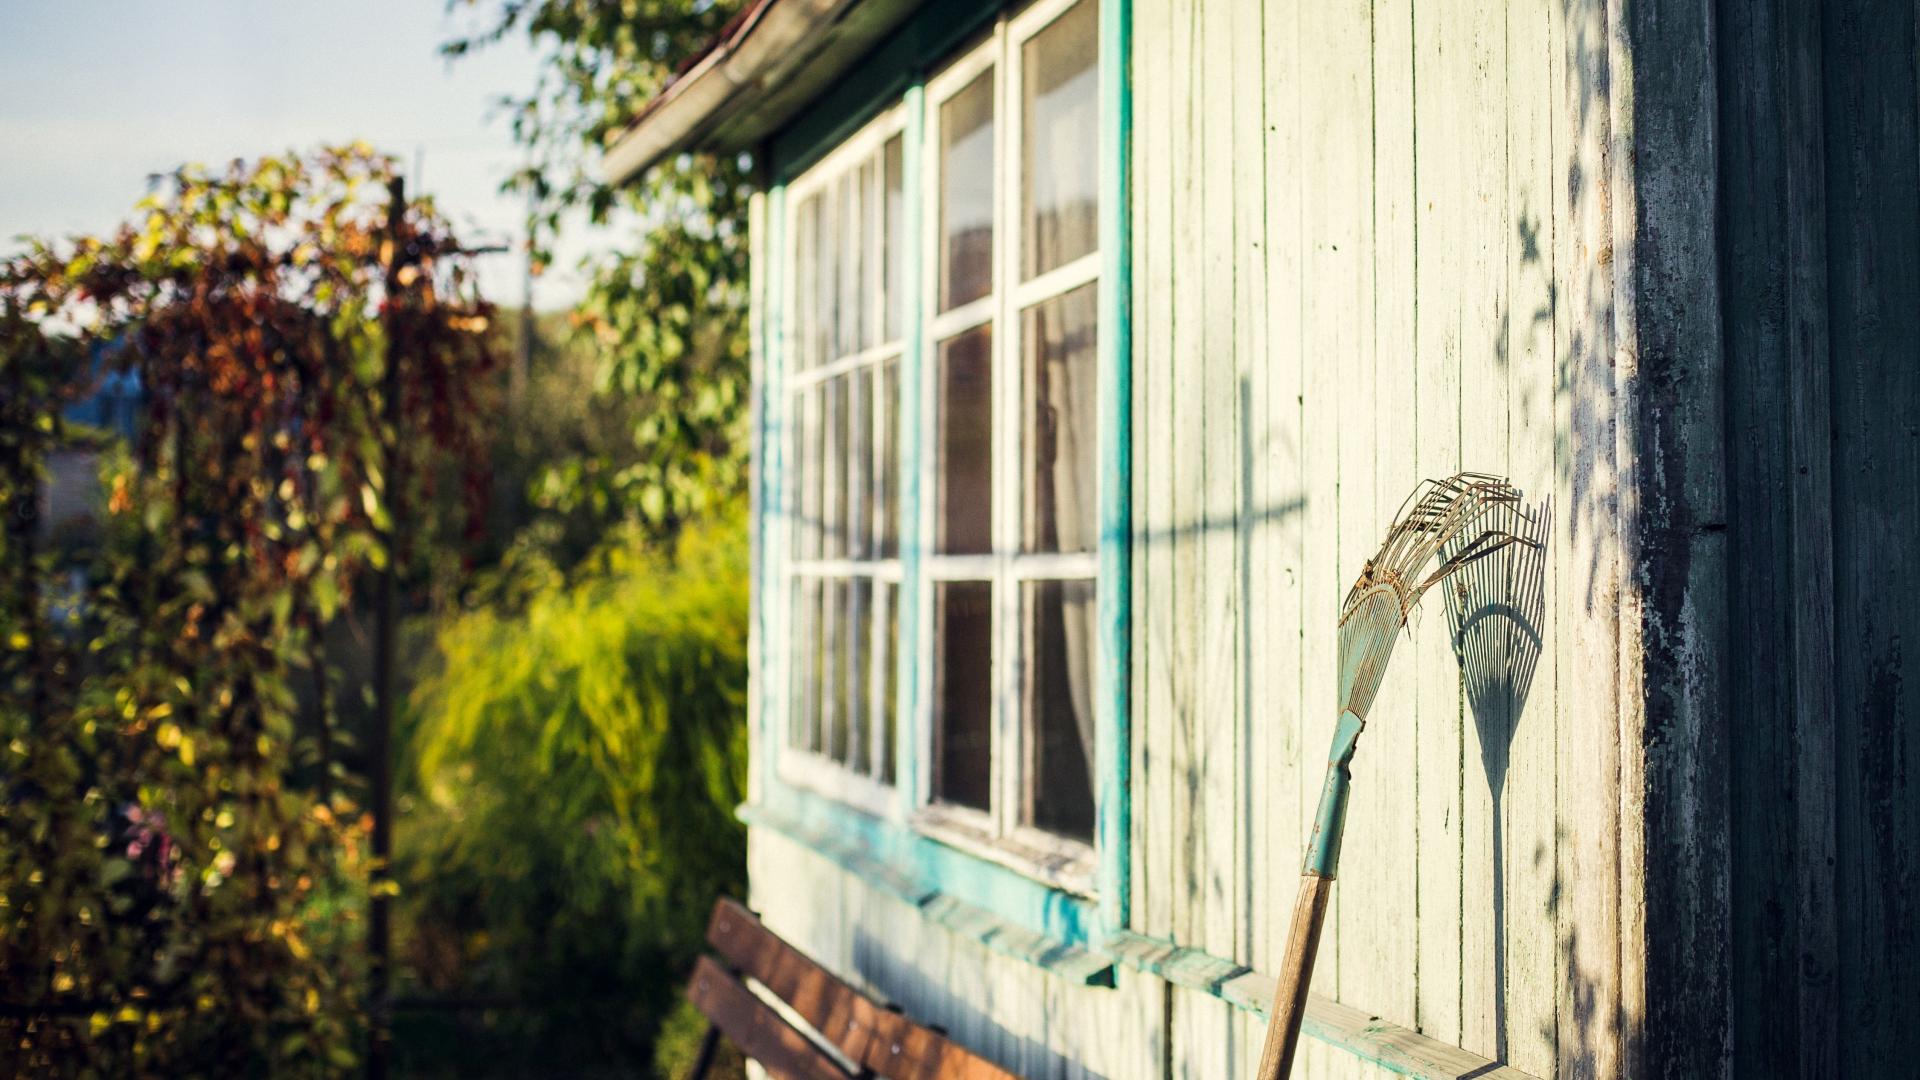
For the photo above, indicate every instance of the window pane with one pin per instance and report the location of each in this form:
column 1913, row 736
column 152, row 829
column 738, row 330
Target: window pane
column 860, row 471
column 800, row 718
column 1059, row 435
column 1058, row 703
column 819, row 662
column 806, row 280
column 806, row 474
column 872, row 265
column 889, row 660
column 1060, row 123
column 826, row 274
column 894, row 256
column 963, row 690
column 966, row 442
column 847, row 336
column 834, row 518
column 857, row 749
column 836, row 691
column 886, row 461
column 966, row 194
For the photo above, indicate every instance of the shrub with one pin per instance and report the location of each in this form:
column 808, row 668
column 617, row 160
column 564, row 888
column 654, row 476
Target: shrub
column 575, row 762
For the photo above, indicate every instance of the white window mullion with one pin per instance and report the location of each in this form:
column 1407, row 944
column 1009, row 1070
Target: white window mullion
column 1006, row 443
column 919, row 721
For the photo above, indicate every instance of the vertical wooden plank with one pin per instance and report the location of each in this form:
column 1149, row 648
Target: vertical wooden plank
column 1217, row 662
column 1283, row 509
column 1334, row 129
column 1187, row 866
column 1528, row 811
column 1156, row 870
column 1780, row 558
column 1253, row 769
column 1585, row 521
column 1390, row 755
column 1873, row 218
column 1142, row 62
column 1480, row 128
column 1442, row 163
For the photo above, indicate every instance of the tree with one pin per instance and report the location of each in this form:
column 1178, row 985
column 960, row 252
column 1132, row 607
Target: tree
column 667, row 310
column 172, row 898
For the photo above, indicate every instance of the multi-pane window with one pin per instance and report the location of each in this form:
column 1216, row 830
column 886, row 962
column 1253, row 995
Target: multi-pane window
column 1013, row 180
column 843, row 387
column 1003, row 408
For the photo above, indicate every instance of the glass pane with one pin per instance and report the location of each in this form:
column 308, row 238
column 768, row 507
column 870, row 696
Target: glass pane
column 1058, row 706
column 963, row 692
column 806, row 475
column 889, row 660
column 826, row 275
column 800, row 717
column 860, row 492
column 847, row 335
column 821, row 667
column 859, row 684
column 805, row 281
column 894, row 256
column 1059, row 435
column 966, row 194
column 965, row 508
column 886, row 461
column 1060, row 126
column 872, row 288
column 834, row 516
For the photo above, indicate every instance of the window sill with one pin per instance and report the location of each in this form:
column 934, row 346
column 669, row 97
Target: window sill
column 1060, row 864
column 906, row 881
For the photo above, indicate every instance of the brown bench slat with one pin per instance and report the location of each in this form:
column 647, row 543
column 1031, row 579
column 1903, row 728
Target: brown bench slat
column 761, row 1033
column 893, row 1046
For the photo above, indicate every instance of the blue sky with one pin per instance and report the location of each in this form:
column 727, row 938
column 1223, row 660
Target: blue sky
column 97, row 94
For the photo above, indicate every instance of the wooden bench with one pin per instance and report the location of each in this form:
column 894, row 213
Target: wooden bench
column 880, row 1041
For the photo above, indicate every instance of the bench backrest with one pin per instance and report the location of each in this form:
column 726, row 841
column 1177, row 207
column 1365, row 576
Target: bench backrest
column 882, row 1041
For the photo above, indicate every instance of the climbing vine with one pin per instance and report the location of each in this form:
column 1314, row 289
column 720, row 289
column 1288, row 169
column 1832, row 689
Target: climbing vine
column 185, row 867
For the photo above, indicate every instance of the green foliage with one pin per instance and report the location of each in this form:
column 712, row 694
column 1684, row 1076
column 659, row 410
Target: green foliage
column 172, row 901
column 665, row 310
column 679, row 1047
column 576, row 764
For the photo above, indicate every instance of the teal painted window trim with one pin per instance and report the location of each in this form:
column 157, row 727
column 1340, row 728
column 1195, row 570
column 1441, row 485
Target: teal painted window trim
column 1012, row 901
column 1115, row 408
column 923, row 873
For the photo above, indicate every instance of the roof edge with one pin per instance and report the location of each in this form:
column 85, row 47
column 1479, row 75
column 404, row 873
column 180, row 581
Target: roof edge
column 767, row 36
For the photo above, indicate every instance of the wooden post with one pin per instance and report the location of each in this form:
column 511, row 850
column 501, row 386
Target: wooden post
column 385, row 646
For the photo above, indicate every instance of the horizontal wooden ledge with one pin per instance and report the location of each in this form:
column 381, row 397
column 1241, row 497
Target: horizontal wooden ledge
column 1386, row 1044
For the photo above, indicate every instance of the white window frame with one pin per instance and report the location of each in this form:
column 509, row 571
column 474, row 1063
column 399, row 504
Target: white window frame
column 796, row 765
column 998, row 835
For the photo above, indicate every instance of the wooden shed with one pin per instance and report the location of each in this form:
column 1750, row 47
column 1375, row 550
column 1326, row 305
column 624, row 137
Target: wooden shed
column 1097, row 341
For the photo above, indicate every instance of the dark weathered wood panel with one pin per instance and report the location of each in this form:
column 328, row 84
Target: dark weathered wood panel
column 1780, row 572
column 1873, row 245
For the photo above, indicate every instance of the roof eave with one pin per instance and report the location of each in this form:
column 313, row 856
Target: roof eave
column 733, row 96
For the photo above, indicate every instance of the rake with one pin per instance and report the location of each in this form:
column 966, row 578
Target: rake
column 1434, row 517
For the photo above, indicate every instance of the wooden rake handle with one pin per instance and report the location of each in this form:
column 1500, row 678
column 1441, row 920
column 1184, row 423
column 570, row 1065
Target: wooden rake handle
column 1296, row 972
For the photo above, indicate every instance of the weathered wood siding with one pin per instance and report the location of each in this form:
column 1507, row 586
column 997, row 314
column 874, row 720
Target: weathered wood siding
column 1780, row 482
column 1372, row 245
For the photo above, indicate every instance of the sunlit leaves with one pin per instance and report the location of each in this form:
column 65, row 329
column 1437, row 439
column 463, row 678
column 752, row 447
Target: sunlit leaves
column 175, row 902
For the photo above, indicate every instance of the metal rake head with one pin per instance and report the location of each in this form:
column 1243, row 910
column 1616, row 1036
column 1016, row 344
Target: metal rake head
column 1389, row 586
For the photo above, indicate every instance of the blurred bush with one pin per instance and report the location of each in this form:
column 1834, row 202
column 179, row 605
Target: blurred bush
column 576, row 750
